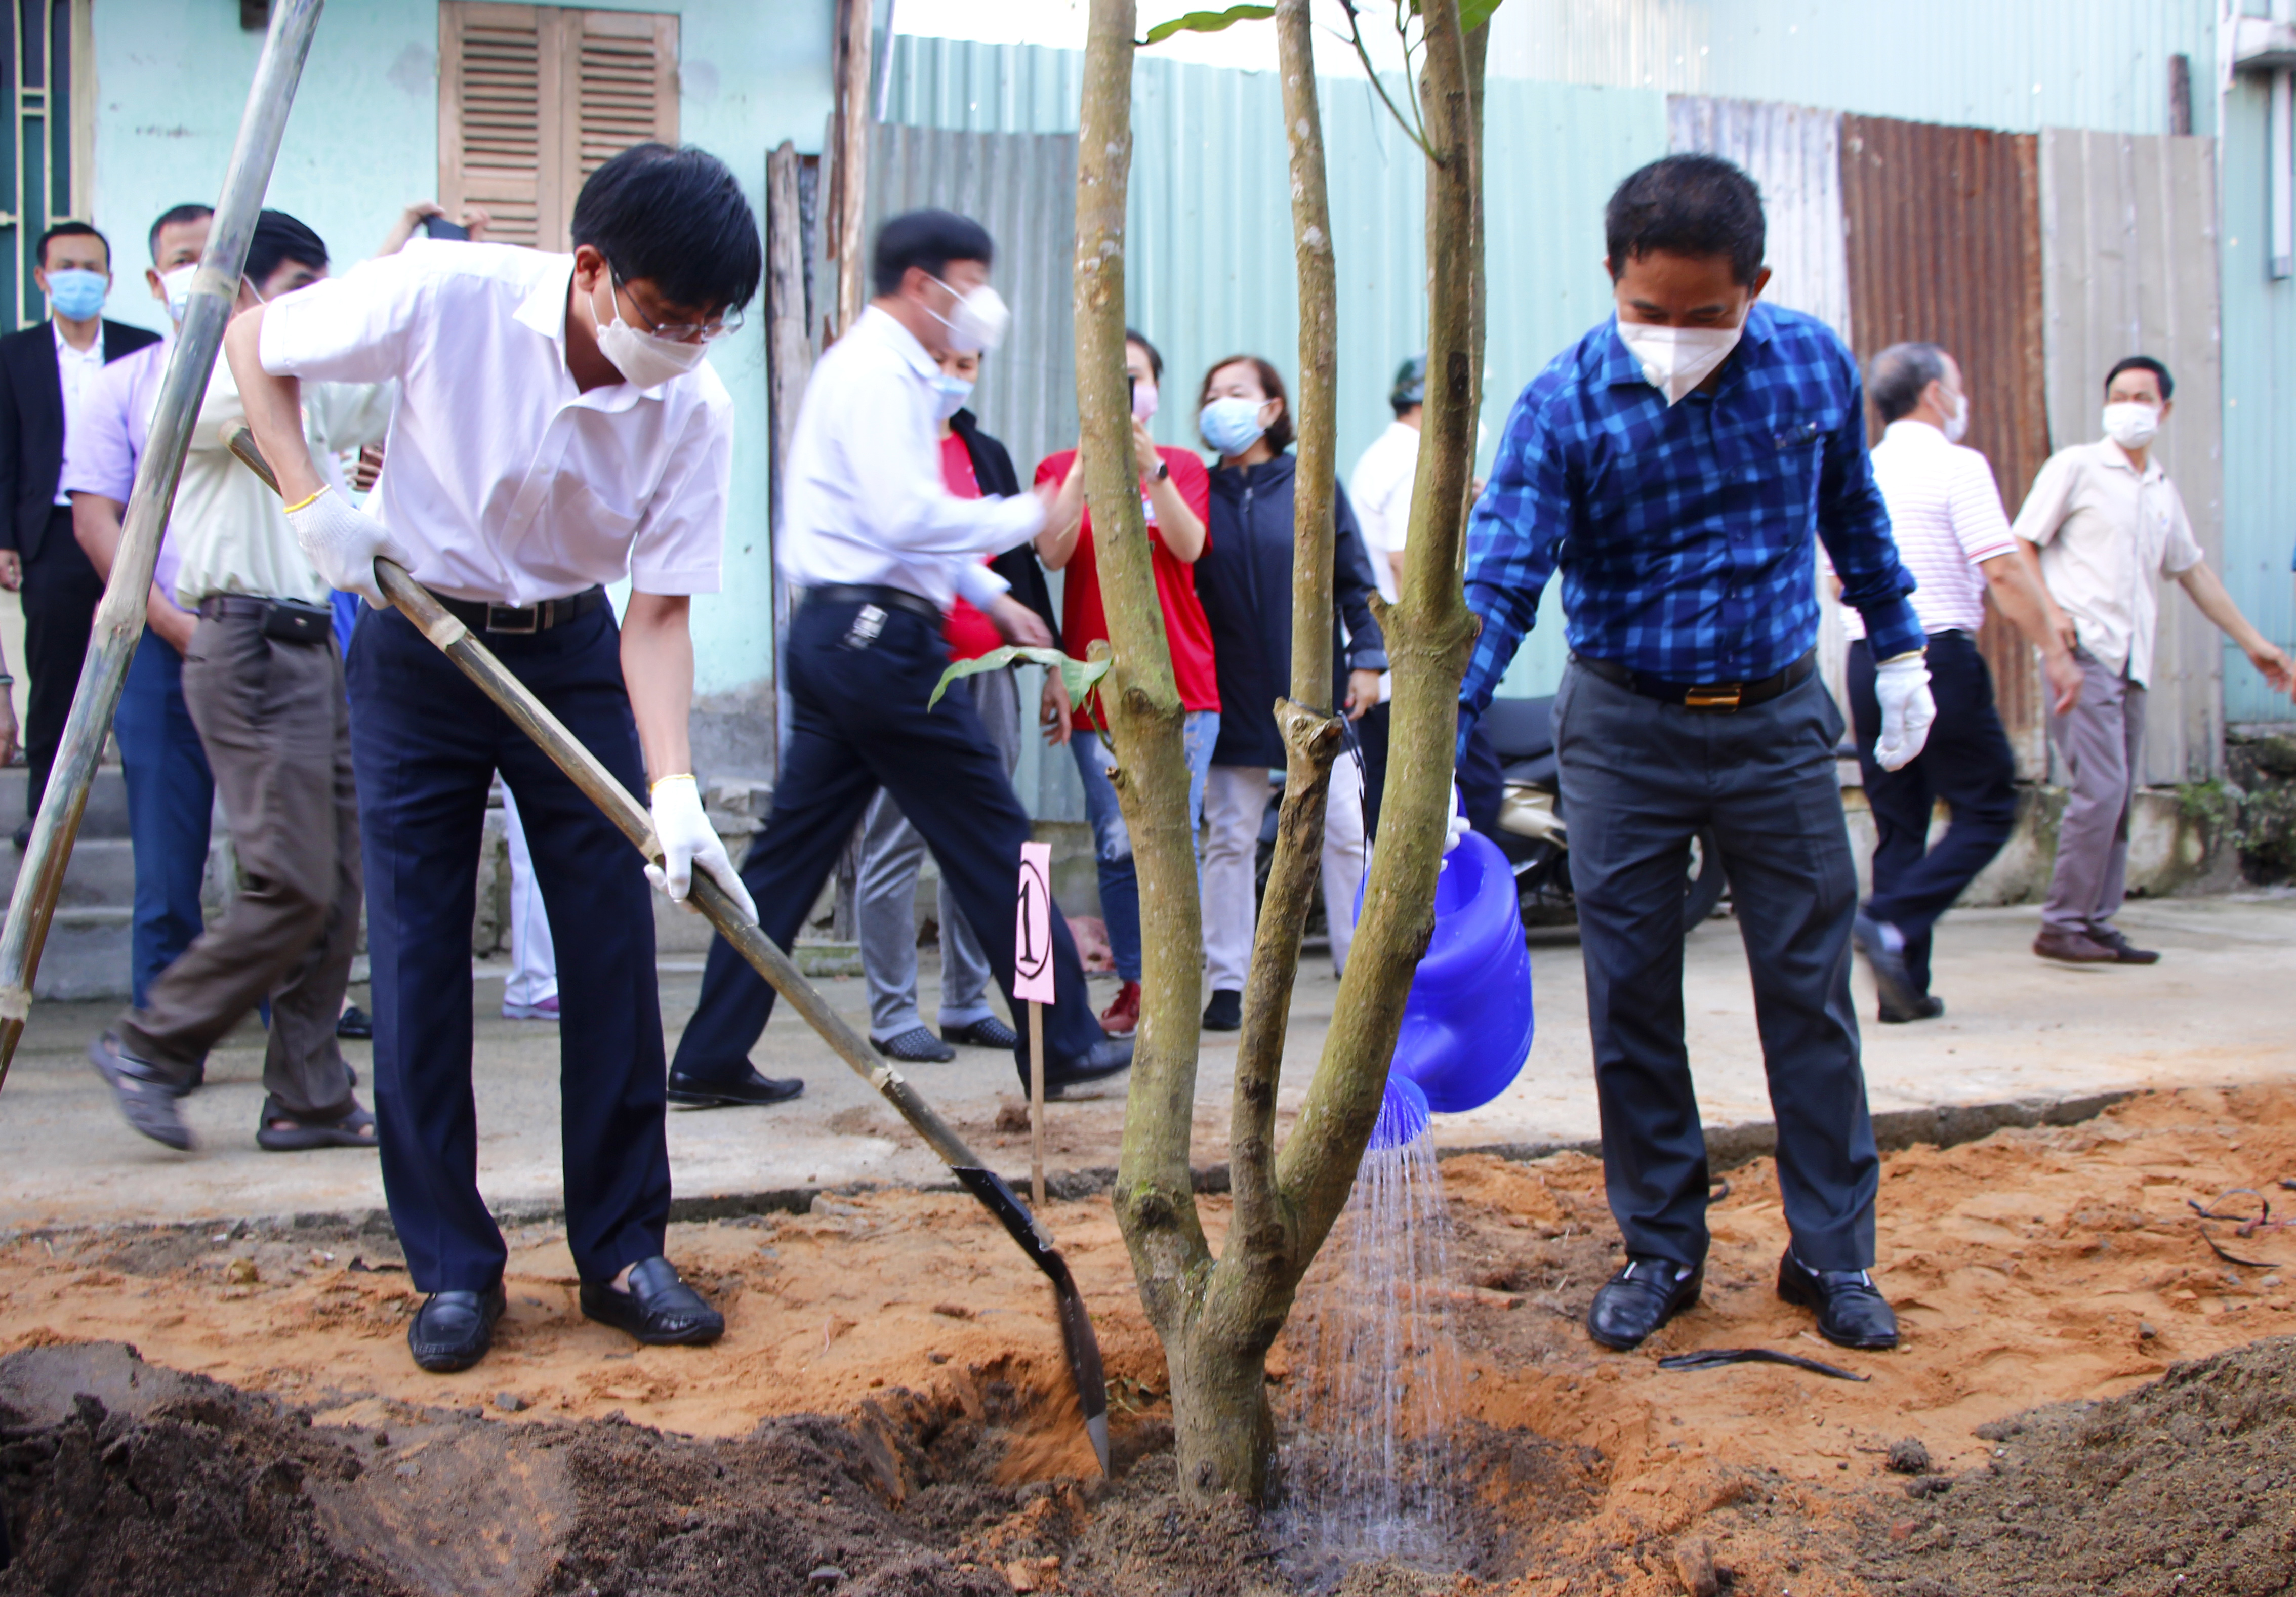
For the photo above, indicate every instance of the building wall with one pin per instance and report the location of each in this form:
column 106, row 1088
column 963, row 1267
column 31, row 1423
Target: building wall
column 171, row 79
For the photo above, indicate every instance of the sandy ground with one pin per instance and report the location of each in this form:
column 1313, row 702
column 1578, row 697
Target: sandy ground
column 2215, row 1012
column 2034, row 1266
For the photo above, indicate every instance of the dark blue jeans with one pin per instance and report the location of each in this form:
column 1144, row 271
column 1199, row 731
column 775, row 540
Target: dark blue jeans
column 1966, row 762
column 170, row 802
column 425, row 744
column 859, row 722
column 1639, row 780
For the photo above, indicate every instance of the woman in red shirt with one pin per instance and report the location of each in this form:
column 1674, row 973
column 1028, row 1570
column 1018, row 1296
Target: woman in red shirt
column 1176, row 498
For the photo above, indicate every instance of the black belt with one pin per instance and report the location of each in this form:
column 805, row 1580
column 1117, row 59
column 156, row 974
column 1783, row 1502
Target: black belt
column 216, row 606
column 878, row 594
column 479, row 615
column 1721, row 697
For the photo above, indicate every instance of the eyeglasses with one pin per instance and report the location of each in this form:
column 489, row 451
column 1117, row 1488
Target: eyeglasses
column 677, row 332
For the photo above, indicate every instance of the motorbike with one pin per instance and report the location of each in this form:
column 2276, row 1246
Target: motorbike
column 1535, row 835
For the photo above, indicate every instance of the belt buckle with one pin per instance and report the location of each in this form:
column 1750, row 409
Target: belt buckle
column 1720, row 696
column 502, row 618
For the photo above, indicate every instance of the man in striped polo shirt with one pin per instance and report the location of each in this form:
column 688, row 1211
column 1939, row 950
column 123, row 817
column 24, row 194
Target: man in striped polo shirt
column 1952, row 534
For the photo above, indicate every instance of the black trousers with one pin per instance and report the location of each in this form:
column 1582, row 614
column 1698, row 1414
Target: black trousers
column 1966, row 762
column 1639, row 780
column 859, row 722
column 425, row 744
column 59, row 595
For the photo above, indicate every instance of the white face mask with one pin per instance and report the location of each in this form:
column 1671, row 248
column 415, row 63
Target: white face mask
column 950, row 393
column 1956, row 425
column 645, row 360
column 1674, row 360
column 980, row 323
column 178, row 286
column 2132, row 425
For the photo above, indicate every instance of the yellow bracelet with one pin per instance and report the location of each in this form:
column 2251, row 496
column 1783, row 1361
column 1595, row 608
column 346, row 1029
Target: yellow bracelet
column 305, row 503
column 655, row 786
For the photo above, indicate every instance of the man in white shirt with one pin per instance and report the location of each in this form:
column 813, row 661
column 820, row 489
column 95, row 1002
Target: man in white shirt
column 882, row 546
column 264, row 685
column 1945, row 515
column 2102, row 524
column 555, row 431
column 1380, row 489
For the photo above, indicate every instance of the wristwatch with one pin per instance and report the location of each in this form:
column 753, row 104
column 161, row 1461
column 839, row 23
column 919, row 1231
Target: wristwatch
column 1163, row 471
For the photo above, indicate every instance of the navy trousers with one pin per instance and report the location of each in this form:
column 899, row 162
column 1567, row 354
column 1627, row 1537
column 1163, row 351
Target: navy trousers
column 1966, row 762
column 859, row 722
column 425, row 744
column 171, row 807
column 1639, row 780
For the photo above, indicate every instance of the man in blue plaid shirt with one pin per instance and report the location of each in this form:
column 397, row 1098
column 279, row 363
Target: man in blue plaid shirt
column 1676, row 465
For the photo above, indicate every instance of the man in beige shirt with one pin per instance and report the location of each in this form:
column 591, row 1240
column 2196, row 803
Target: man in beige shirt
column 2101, row 524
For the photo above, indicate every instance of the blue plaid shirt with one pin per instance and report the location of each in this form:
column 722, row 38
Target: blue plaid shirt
column 1682, row 534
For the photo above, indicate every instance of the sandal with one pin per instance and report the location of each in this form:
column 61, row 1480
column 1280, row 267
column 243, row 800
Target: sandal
column 282, row 1133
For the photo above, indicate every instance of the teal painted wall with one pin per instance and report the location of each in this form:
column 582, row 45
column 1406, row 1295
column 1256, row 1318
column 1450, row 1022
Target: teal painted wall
column 364, row 140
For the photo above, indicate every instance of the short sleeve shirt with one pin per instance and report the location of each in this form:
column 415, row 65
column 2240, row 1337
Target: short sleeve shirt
column 2106, row 536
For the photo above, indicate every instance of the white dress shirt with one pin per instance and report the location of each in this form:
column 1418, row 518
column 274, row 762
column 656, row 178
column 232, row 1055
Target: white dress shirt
column 1380, row 489
column 865, row 501
column 503, row 481
column 2106, row 534
column 74, row 368
column 1945, row 515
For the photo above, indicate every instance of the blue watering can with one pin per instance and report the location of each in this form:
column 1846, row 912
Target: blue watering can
column 1467, row 1025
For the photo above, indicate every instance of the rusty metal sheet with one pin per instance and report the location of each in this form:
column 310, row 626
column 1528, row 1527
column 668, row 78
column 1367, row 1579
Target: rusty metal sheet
column 1944, row 248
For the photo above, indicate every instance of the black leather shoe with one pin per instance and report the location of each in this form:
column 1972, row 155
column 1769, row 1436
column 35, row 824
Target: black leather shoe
column 1111, row 1056
column 659, row 1308
column 2123, row 951
column 748, row 1087
column 1640, row 1298
column 1851, row 1312
column 1225, row 1012
column 987, row 1032
column 452, row 1330
column 1884, row 948
column 355, row 1025
column 1925, row 1008
column 916, row 1047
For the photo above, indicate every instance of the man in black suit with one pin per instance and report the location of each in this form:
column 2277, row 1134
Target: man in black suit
column 42, row 370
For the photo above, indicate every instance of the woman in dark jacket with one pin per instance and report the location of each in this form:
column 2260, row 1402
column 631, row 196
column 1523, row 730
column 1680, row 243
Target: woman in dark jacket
column 1245, row 579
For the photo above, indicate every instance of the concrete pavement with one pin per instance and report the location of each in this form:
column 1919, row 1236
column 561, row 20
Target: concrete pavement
column 2218, row 1009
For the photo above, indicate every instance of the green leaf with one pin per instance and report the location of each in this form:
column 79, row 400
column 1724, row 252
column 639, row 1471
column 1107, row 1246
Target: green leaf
column 1210, row 21
column 1078, row 675
column 1474, row 13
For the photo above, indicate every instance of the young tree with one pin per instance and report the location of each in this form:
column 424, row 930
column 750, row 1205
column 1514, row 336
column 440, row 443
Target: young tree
column 1217, row 1316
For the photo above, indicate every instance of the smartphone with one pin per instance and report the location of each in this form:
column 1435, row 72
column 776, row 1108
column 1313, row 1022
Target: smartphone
column 439, row 227
column 1131, row 392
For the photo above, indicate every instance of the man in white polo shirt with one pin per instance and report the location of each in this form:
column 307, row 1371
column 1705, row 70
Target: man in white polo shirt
column 1945, row 515
column 555, row 431
column 2107, row 523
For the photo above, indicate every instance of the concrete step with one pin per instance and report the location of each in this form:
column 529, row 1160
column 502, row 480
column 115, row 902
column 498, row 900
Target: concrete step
column 106, row 816
column 100, row 875
column 86, row 956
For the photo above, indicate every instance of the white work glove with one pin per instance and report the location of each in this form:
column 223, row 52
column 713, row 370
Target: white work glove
column 687, row 839
column 1903, row 686
column 342, row 544
column 1457, row 826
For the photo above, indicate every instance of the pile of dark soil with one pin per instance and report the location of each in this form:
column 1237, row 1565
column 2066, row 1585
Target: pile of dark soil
column 2186, row 1485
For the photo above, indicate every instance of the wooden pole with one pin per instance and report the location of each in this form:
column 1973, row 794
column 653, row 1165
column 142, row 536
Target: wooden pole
column 1036, row 1105
column 120, row 617
column 789, row 361
column 855, row 104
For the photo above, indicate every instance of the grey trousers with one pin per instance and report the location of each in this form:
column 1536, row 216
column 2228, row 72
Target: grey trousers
column 2101, row 743
column 277, row 730
column 1639, row 778
column 885, row 893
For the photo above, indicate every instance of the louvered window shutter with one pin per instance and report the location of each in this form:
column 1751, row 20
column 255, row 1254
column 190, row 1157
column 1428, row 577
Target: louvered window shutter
column 532, row 99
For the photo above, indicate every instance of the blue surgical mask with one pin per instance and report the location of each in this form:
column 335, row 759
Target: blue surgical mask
column 75, row 294
column 1231, row 426
column 951, row 392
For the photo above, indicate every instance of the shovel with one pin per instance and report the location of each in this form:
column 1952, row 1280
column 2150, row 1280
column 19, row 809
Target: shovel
column 582, row 767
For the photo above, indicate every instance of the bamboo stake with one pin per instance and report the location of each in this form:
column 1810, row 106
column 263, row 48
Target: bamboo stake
column 120, row 618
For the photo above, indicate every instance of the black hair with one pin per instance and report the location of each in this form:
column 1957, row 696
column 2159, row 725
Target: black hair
column 1686, row 205
column 930, row 239
column 71, row 230
column 279, row 237
column 675, row 219
column 176, row 216
column 1155, row 358
column 1409, row 390
column 1279, row 434
column 2143, row 363
column 1900, row 375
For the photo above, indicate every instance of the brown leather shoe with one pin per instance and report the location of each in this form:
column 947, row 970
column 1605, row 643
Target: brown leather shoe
column 2123, row 950
column 2072, row 947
